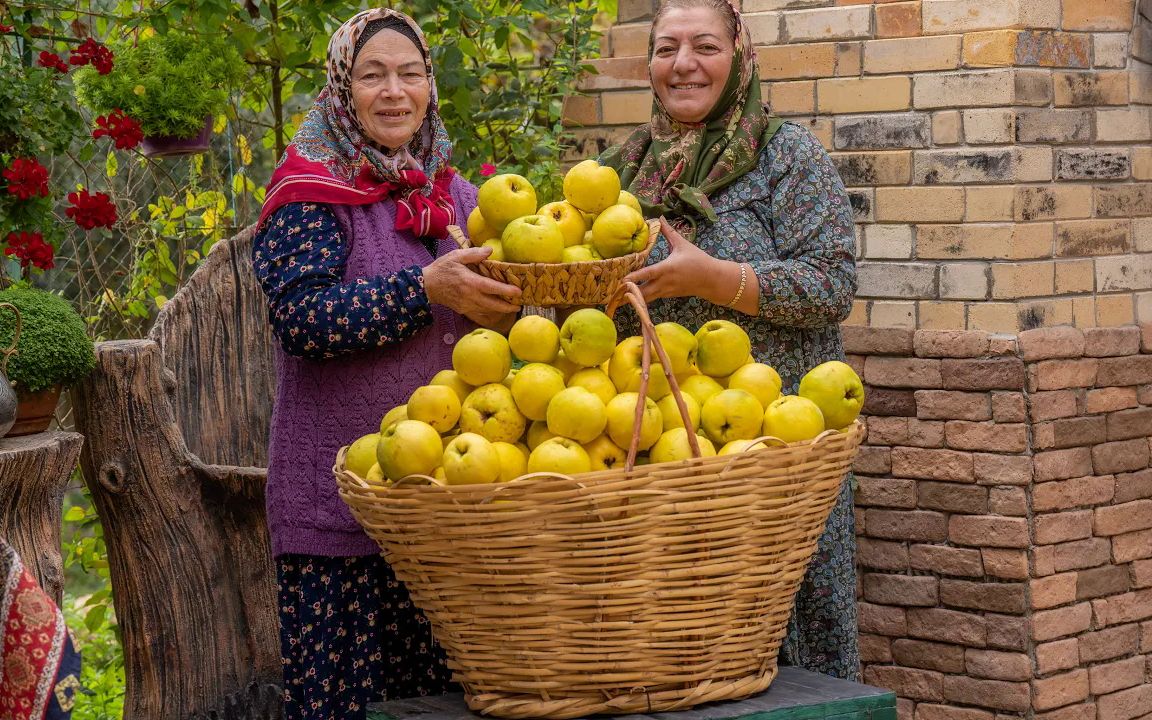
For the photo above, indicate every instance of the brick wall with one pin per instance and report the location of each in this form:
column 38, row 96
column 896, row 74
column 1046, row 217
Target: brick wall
column 1005, row 522
column 997, row 151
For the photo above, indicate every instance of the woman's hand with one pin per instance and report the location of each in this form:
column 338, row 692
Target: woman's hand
column 449, row 281
column 687, row 271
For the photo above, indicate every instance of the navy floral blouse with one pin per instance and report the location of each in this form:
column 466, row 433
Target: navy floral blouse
column 299, row 257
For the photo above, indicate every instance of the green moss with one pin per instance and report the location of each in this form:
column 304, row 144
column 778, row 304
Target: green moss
column 53, row 346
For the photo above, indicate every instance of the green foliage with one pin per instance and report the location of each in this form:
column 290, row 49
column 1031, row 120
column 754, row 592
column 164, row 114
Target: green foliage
column 37, row 115
column 53, row 346
column 168, row 83
column 89, row 613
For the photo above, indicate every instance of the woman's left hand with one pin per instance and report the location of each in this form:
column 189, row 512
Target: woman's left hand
column 687, row 271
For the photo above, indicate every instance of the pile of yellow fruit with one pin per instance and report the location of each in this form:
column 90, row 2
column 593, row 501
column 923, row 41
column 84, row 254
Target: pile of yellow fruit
column 570, row 404
column 596, row 220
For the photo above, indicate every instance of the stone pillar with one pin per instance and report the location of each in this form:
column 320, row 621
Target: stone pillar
column 1004, row 514
column 997, row 152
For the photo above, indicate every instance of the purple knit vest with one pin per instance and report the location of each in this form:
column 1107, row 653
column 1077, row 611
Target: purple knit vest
column 322, row 405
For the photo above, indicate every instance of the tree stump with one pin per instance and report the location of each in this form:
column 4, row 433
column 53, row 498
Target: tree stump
column 34, row 472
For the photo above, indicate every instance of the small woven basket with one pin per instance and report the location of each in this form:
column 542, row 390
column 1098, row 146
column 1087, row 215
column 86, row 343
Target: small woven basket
column 633, row 590
column 553, row 284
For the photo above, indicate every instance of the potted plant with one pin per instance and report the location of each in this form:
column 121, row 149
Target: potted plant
column 53, row 351
column 172, row 85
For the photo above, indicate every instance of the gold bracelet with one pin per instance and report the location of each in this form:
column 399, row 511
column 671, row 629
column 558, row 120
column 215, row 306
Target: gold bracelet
column 743, row 281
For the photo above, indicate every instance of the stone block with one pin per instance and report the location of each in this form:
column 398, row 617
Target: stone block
column 979, row 88
column 863, row 95
column 912, row 54
column 1093, row 164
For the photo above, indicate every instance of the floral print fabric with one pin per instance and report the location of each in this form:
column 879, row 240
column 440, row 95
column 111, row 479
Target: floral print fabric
column 349, row 636
column 299, row 259
column 790, row 220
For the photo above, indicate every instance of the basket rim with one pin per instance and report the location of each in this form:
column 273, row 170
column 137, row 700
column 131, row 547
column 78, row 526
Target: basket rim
column 853, row 433
column 653, row 235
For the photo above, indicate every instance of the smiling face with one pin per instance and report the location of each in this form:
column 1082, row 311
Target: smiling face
column 691, row 60
column 390, row 89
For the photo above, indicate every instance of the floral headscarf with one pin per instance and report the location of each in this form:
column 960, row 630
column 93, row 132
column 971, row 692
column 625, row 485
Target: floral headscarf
column 673, row 167
column 331, row 159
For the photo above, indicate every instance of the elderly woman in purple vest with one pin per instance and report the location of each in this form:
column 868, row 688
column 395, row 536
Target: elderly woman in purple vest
column 367, row 296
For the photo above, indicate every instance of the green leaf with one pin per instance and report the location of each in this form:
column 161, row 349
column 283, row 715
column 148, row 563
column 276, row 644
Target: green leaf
column 94, row 618
column 74, row 514
column 111, row 165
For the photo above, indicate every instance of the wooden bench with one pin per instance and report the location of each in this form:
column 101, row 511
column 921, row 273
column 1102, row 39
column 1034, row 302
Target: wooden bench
column 795, row 695
column 176, row 431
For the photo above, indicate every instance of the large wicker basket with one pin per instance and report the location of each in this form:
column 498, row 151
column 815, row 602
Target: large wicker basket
column 623, row 591
column 552, row 284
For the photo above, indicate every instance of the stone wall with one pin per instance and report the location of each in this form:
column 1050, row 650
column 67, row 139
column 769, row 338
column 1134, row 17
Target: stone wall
column 1005, row 522
column 996, row 151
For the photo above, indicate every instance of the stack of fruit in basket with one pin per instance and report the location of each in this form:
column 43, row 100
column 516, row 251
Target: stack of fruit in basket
column 596, row 220
column 569, row 405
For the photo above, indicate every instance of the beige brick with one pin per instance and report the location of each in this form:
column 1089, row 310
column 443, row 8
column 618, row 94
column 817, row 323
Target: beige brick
column 1090, row 88
column 946, row 127
column 750, row 6
column 993, row 317
column 764, row 27
column 984, row 241
column 631, row 39
column 849, row 59
column 1044, row 313
column 1033, row 87
column 897, row 280
column 964, row 281
column 1090, row 238
column 888, row 242
column 920, row 204
column 786, row 62
column 994, row 126
column 1013, row 280
column 581, row 110
column 1142, row 234
column 1097, row 14
column 1075, row 276
column 937, row 315
column 1084, row 311
column 1110, row 50
column 828, row 23
column 951, row 16
column 1050, row 202
column 1130, row 124
column 856, row 95
column 1033, row 164
column 893, row 314
column 1124, row 272
column 905, row 55
column 1144, row 308
column 626, row 108
column 1114, row 310
column 983, row 88
column 989, row 204
column 1142, row 163
column 1040, row 14
column 874, row 168
column 993, row 48
column 1044, row 125
column 793, row 98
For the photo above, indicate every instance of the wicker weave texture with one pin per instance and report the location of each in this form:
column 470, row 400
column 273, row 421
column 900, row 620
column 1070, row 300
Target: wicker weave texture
column 554, row 284
column 615, row 591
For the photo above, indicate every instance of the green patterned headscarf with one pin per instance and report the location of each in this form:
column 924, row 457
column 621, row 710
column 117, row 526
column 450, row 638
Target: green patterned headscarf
column 673, row 167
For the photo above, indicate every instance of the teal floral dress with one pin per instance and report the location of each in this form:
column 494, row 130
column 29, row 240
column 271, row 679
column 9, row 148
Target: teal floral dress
column 791, row 221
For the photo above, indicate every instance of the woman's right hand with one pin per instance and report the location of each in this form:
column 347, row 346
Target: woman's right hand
column 449, row 281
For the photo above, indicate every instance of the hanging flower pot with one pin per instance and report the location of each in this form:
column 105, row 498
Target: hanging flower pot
column 169, row 146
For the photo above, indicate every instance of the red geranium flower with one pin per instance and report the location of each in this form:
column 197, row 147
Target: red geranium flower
column 487, row 169
column 31, row 249
column 93, row 52
column 122, row 129
column 90, row 210
column 5, row 28
column 26, row 178
column 52, row 60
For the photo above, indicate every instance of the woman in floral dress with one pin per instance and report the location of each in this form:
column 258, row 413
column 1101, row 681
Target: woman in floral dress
column 758, row 230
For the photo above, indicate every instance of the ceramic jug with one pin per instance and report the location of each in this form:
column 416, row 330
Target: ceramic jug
column 7, row 393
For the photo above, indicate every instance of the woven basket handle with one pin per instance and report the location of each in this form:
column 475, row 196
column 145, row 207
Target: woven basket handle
column 631, row 292
column 457, row 234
